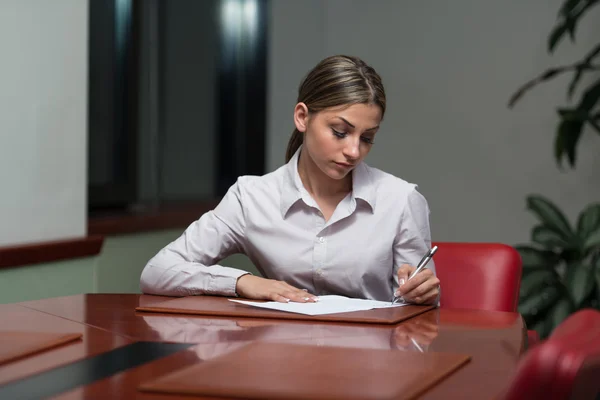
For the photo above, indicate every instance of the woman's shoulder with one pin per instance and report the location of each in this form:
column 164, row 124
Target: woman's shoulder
column 387, row 184
column 395, row 195
column 259, row 185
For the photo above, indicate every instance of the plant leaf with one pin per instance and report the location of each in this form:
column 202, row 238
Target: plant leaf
column 534, row 281
column 594, row 122
column 592, row 241
column 590, row 97
column 568, row 7
column 570, row 14
column 535, row 305
column 573, row 114
column 550, row 216
column 543, row 327
column 572, row 255
column 548, row 238
column 555, row 36
column 560, row 311
column 589, row 57
column 533, row 258
column 581, row 67
column 568, row 134
column 598, row 277
column 575, row 82
column 580, row 282
column 589, row 220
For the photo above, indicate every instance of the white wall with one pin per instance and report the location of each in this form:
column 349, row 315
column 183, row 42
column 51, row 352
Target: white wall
column 43, row 107
column 449, row 69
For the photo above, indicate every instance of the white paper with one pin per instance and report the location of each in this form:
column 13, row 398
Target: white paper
column 326, row 305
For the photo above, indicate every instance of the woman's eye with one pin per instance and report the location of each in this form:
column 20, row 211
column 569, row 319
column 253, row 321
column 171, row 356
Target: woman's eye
column 340, row 135
column 367, row 140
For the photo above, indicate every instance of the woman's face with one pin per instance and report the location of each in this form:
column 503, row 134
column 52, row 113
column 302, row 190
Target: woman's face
column 337, row 139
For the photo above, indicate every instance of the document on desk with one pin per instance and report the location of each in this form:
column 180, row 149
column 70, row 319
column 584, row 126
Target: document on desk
column 326, row 305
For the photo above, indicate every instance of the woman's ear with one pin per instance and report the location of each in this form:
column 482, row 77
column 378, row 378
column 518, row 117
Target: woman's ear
column 301, row 116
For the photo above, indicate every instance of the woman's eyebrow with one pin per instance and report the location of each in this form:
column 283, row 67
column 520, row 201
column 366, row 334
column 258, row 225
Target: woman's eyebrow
column 352, row 126
column 346, row 121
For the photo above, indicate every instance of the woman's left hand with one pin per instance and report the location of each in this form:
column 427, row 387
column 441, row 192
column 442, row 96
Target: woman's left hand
column 423, row 288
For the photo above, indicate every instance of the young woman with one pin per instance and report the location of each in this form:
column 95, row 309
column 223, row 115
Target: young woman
column 324, row 223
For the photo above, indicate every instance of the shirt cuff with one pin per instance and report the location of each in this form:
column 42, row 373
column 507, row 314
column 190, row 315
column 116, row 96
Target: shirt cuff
column 226, row 281
column 235, row 293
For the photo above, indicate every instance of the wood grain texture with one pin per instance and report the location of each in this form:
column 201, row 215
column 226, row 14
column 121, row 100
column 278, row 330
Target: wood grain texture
column 93, row 341
column 37, row 253
column 168, row 216
column 288, row 371
column 19, row 344
column 222, row 307
column 493, row 340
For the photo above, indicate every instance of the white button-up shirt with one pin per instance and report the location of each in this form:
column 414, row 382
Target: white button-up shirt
column 382, row 224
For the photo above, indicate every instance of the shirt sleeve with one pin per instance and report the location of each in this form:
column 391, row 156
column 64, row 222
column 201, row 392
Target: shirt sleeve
column 188, row 266
column 413, row 240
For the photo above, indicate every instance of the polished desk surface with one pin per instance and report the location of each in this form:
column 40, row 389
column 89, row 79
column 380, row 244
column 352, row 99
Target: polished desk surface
column 495, row 340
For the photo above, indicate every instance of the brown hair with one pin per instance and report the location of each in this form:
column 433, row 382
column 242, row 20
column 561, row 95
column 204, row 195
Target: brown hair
column 337, row 81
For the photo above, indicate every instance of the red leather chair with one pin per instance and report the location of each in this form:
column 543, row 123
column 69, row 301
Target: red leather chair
column 482, row 276
column 566, row 366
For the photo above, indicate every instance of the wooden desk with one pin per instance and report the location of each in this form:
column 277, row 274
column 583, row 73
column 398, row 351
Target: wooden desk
column 18, row 318
column 495, row 340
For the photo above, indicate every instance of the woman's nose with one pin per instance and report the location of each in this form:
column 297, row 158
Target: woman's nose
column 352, row 149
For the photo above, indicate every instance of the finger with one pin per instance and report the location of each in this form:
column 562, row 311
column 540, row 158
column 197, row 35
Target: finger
column 401, row 339
column 425, row 337
column 411, row 328
column 418, row 280
column 427, row 327
column 279, row 298
column 422, row 285
column 403, row 273
column 299, row 293
column 432, row 296
column 298, row 296
column 423, row 296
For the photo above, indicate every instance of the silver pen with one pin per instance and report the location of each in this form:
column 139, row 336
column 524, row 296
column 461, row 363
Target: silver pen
column 420, row 266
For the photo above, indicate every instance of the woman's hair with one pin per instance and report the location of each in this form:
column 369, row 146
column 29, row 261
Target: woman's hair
column 337, row 81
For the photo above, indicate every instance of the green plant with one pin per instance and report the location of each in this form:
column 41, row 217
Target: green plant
column 586, row 112
column 561, row 268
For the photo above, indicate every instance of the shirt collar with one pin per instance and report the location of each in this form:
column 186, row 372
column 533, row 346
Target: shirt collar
column 362, row 185
column 293, row 190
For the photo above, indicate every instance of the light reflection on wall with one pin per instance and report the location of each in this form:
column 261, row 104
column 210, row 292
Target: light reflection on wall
column 239, row 22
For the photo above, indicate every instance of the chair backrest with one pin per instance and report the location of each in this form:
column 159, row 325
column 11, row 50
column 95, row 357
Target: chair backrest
column 566, row 366
column 482, row 276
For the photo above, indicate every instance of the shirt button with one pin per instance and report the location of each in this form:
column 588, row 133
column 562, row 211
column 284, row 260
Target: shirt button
column 322, row 239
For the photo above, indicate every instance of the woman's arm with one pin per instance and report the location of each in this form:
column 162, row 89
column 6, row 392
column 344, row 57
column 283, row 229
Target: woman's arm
column 188, row 266
column 411, row 244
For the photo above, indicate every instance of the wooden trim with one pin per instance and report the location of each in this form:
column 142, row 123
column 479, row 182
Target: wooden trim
column 168, row 216
column 36, row 253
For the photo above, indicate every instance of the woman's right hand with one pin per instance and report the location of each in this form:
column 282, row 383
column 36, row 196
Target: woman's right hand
column 254, row 287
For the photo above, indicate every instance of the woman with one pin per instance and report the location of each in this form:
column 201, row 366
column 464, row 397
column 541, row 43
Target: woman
column 324, row 223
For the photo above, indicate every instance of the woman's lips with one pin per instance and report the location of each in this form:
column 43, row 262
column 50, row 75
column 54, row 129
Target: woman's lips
column 344, row 165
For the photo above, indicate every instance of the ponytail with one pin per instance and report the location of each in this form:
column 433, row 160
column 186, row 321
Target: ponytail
column 293, row 145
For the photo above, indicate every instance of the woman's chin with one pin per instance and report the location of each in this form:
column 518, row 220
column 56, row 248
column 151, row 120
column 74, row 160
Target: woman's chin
column 337, row 173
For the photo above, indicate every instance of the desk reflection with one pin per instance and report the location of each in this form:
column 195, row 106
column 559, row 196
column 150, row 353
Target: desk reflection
column 217, row 336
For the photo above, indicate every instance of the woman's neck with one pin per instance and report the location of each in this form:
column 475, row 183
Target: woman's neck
column 317, row 183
